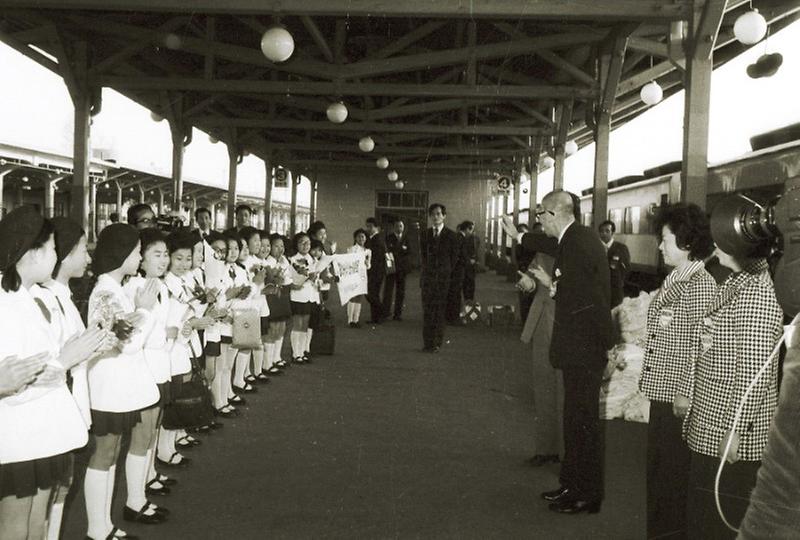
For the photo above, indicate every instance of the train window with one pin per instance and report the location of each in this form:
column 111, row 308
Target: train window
column 634, row 222
column 383, row 199
column 587, row 219
column 617, row 215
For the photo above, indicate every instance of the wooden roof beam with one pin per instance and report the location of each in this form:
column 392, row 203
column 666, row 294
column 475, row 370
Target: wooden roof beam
column 573, row 10
column 134, row 47
column 389, row 150
column 407, row 40
column 347, row 89
column 365, row 127
column 319, row 39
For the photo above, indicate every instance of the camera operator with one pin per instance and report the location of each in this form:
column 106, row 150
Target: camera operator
column 142, row 216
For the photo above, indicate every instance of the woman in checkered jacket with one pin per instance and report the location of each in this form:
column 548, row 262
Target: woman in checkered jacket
column 736, row 335
column 673, row 313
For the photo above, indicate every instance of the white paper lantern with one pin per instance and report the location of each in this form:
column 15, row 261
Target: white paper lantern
column 750, row 27
column 277, row 44
column 172, row 41
column 548, row 162
column 392, row 176
column 366, row 144
column 399, row 184
column 570, row 147
column 651, row 93
column 155, row 117
column 212, row 139
column 382, row 163
column 337, row 112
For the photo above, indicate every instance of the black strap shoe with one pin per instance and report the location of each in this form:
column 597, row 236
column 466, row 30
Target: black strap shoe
column 575, row 506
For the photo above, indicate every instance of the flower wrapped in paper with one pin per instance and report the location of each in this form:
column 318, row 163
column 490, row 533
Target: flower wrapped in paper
column 274, row 278
column 109, row 315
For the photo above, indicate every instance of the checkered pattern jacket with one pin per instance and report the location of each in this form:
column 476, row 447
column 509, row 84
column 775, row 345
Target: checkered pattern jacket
column 673, row 313
column 736, row 335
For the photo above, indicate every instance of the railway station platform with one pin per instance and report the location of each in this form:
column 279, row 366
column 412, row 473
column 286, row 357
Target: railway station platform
column 383, row 441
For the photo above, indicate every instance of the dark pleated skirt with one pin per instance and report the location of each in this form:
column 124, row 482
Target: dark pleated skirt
column 165, row 393
column 279, row 306
column 25, row 478
column 302, row 308
column 264, row 326
column 106, row 423
column 213, row 349
column 226, row 339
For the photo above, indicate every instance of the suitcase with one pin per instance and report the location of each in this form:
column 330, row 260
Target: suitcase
column 323, row 341
column 472, row 313
column 501, row 316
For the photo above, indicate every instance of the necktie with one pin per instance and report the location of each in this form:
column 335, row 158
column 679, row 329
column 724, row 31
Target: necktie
column 435, row 233
column 45, row 311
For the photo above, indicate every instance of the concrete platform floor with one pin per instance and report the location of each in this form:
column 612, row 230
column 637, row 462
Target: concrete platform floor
column 383, row 441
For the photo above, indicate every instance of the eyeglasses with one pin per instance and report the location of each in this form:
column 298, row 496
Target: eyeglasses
column 541, row 212
column 146, row 220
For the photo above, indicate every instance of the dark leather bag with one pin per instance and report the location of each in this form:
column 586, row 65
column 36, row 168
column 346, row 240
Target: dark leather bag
column 191, row 405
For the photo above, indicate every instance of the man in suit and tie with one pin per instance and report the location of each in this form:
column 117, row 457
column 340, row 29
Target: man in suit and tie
column 438, row 252
column 377, row 270
column 619, row 261
column 395, row 287
column 468, row 288
column 582, row 333
column 202, row 216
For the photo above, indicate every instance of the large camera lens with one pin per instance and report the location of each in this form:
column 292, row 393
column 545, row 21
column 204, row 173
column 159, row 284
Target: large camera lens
column 743, row 227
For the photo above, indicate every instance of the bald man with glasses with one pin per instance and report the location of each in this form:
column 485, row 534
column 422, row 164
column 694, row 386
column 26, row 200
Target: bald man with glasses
column 582, row 333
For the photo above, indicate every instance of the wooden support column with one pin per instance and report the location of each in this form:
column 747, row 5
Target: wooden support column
column 564, row 117
column 704, row 28
column 503, row 210
column 293, row 211
column 50, row 185
column 82, row 103
column 536, row 150
column 141, row 194
column 313, row 203
column 160, row 201
column 234, row 158
column 91, row 232
column 3, row 172
column 268, row 182
column 119, row 199
column 181, row 132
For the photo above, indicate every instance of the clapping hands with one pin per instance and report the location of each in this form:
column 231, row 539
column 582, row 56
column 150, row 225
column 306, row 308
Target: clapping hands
column 16, row 372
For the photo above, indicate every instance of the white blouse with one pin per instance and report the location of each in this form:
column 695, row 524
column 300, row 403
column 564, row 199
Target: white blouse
column 180, row 311
column 41, row 420
column 355, row 248
column 308, row 292
column 283, row 263
column 67, row 322
column 120, row 381
column 156, row 348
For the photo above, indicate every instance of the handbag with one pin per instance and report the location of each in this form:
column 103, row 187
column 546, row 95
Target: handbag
column 246, row 329
column 191, row 405
column 391, row 267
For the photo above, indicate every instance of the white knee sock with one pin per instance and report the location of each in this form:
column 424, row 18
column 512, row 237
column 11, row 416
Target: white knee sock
column 151, row 467
column 54, row 522
column 95, row 486
column 228, row 375
column 135, row 479
column 298, row 341
column 166, row 443
column 268, row 356
column 220, row 398
column 240, row 366
column 351, row 309
column 356, row 312
column 110, row 482
column 258, row 361
column 309, row 335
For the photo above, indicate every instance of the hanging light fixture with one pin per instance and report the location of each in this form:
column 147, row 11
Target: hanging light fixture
column 277, row 44
column 750, row 27
column 366, row 144
column 399, row 184
column 25, row 179
column 570, row 147
column 172, row 41
column 337, row 112
column 651, row 93
column 392, row 176
column 548, row 162
column 155, row 117
column 382, row 163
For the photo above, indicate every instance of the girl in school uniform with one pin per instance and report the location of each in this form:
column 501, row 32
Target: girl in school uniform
column 304, row 295
column 354, row 305
column 232, row 285
column 140, row 470
column 39, row 417
column 217, row 277
column 254, row 265
column 279, row 304
column 121, row 385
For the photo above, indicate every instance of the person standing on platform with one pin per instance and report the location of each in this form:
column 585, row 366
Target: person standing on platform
column 452, row 312
column 395, row 288
column 377, row 271
column 673, row 313
column 582, row 333
column 523, row 259
column 619, row 261
column 468, row 288
column 243, row 215
column 141, row 216
column 438, row 251
column 202, row 217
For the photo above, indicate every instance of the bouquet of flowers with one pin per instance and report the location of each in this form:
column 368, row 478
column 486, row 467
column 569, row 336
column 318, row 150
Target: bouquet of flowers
column 240, row 292
column 274, row 278
column 203, row 295
column 110, row 316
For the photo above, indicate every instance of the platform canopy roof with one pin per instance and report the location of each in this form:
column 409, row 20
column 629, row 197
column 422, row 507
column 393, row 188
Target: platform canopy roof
column 436, row 83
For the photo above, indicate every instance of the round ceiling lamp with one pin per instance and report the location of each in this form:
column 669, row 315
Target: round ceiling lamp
column 570, row 147
column 366, row 144
column 750, row 27
column 548, row 162
column 382, row 163
column 172, row 41
column 392, row 176
column 155, row 117
column 277, row 44
column 337, row 112
column 25, row 179
column 651, row 93
column 399, row 184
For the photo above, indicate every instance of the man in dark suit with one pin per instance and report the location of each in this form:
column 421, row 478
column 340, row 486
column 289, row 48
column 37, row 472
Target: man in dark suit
column 452, row 313
column 582, row 333
column 619, row 261
column 377, row 270
column 395, row 287
column 472, row 261
column 438, row 253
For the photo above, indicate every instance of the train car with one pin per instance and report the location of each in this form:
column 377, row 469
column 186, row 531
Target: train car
column 633, row 205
